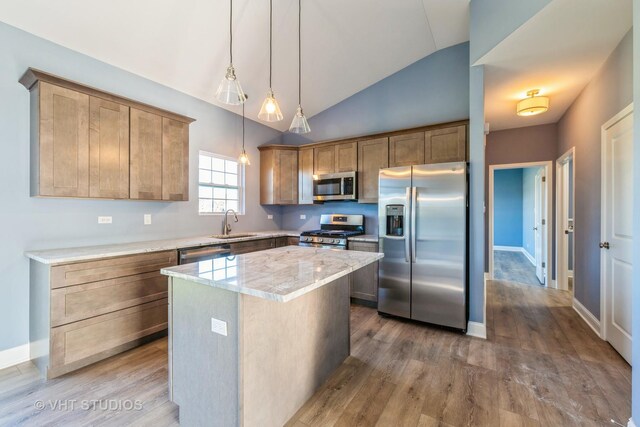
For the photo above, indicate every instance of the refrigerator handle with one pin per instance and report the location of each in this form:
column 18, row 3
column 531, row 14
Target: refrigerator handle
column 414, row 202
column 407, row 232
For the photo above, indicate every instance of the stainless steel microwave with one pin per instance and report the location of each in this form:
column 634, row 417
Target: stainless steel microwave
column 335, row 186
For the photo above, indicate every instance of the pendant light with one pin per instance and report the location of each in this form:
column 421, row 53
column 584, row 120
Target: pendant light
column 230, row 92
column 244, row 159
column 270, row 111
column 532, row 105
column 299, row 123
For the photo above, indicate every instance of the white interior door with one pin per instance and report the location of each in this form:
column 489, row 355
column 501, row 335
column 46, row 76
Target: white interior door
column 538, row 226
column 617, row 202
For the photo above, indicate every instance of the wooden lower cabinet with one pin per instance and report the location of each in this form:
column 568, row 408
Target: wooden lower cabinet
column 247, row 246
column 286, row 241
column 364, row 282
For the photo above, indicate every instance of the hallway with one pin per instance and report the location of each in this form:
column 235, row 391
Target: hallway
column 514, row 267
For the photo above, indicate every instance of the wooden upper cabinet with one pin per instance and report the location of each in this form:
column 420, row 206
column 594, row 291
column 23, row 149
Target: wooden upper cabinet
column 146, row 155
column 278, row 175
column 346, row 157
column 406, row 150
column 446, row 145
column 305, row 176
column 324, row 159
column 373, row 155
column 175, row 160
column 60, row 136
column 108, row 149
column 90, row 143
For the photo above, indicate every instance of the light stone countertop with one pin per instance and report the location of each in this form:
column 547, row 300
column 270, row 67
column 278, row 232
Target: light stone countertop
column 371, row 238
column 279, row 274
column 63, row 256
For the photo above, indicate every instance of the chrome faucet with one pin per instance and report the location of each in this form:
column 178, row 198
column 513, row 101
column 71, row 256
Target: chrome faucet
column 226, row 227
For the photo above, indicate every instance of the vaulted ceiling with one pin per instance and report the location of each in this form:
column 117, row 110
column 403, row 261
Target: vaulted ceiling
column 183, row 44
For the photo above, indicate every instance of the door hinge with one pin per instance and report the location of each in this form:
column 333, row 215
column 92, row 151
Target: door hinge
column 544, row 222
column 544, row 264
column 544, row 179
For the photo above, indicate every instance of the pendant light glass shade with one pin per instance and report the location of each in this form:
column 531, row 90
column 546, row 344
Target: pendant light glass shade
column 230, row 92
column 299, row 123
column 244, row 159
column 270, row 111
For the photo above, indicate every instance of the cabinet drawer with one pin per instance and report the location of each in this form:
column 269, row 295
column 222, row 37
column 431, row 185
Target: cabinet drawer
column 93, row 271
column 80, row 302
column 87, row 341
column 252, row 246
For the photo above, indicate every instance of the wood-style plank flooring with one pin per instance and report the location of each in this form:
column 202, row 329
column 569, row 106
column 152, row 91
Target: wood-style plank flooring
column 514, row 267
column 541, row 366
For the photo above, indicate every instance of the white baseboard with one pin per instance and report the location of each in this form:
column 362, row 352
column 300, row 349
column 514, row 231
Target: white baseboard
column 476, row 329
column 487, row 276
column 554, row 284
column 587, row 316
column 631, row 423
column 531, row 259
column 569, row 273
column 507, row 248
column 14, row 356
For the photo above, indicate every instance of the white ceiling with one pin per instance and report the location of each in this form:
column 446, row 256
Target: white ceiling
column 558, row 51
column 347, row 45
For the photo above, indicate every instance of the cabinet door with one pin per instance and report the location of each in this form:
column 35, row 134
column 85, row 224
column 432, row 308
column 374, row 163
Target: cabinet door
column 146, row 156
column 364, row 282
column 373, row 155
column 346, row 157
column 252, row 246
column 175, row 160
column 64, row 142
column 406, row 150
column 108, row 149
column 305, row 176
column 324, row 159
column 286, row 180
column 446, row 145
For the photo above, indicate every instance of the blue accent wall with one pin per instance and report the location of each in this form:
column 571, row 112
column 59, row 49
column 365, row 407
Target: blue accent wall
column 508, row 205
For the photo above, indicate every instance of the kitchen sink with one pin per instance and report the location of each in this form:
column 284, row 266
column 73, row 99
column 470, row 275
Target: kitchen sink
column 233, row 235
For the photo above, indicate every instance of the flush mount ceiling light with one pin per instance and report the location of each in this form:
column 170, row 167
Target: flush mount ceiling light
column 270, row 111
column 230, row 92
column 299, row 123
column 244, row 159
column 533, row 104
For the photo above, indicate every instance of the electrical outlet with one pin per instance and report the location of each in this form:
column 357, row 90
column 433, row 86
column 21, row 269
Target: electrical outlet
column 105, row 220
column 303, row 216
column 219, row 326
column 147, row 219
column 269, row 216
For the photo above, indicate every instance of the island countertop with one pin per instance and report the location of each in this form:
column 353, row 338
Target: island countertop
column 280, row 274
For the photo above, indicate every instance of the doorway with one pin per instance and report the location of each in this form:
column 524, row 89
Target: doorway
column 617, row 231
column 519, row 223
column 565, row 229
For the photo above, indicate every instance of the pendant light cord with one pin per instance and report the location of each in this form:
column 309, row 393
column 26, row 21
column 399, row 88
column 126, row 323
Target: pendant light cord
column 230, row 32
column 270, row 40
column 243, row 127
column 299, row 54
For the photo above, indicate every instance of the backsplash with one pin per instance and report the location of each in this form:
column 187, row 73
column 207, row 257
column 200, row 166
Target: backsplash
column 291, row 215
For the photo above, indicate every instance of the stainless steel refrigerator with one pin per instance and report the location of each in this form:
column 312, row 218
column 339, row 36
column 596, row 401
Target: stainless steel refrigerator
column 422, row 220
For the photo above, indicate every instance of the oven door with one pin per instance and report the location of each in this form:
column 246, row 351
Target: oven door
column 322, row 246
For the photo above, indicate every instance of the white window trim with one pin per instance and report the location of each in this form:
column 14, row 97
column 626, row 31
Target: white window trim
column 241, row 183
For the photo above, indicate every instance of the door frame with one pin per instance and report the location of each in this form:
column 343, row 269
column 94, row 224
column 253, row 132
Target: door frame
column 548, row 171
column 562, row 252
column 603, row 213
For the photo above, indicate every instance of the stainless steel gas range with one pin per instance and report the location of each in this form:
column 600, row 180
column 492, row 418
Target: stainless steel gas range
column 334, row 231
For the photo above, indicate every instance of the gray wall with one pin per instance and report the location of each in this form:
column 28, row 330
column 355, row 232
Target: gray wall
column 291, row 215
column 432, row 90
column 31, row 223
column 521, row 145
column 608, row 93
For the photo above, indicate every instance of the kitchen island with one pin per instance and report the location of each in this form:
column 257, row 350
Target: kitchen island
column 252, row 337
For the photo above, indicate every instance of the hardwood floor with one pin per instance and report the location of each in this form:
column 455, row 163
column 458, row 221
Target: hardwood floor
column 540, row 366
column 514, row 267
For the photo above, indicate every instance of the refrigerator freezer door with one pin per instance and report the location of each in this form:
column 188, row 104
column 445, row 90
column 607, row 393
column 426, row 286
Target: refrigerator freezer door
column 394, row 288
column 439, row 238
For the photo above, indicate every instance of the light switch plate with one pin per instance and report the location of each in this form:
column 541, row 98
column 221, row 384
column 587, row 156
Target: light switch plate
column 303, row 216
column 219, row 326
column 269, row 216
column 147, row 219
column 105, row 220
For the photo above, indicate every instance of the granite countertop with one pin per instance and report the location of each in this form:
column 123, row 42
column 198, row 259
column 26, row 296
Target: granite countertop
column 279, row 274
column 372, row 238
column 62, row 256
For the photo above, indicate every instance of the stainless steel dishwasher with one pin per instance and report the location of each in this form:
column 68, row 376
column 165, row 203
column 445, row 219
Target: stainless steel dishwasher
column 190, row 255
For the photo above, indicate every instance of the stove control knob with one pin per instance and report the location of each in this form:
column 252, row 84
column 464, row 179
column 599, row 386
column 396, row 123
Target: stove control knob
column 336, row 241
column 320, row 240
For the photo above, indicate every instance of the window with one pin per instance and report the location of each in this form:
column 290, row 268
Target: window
column 220, row 184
